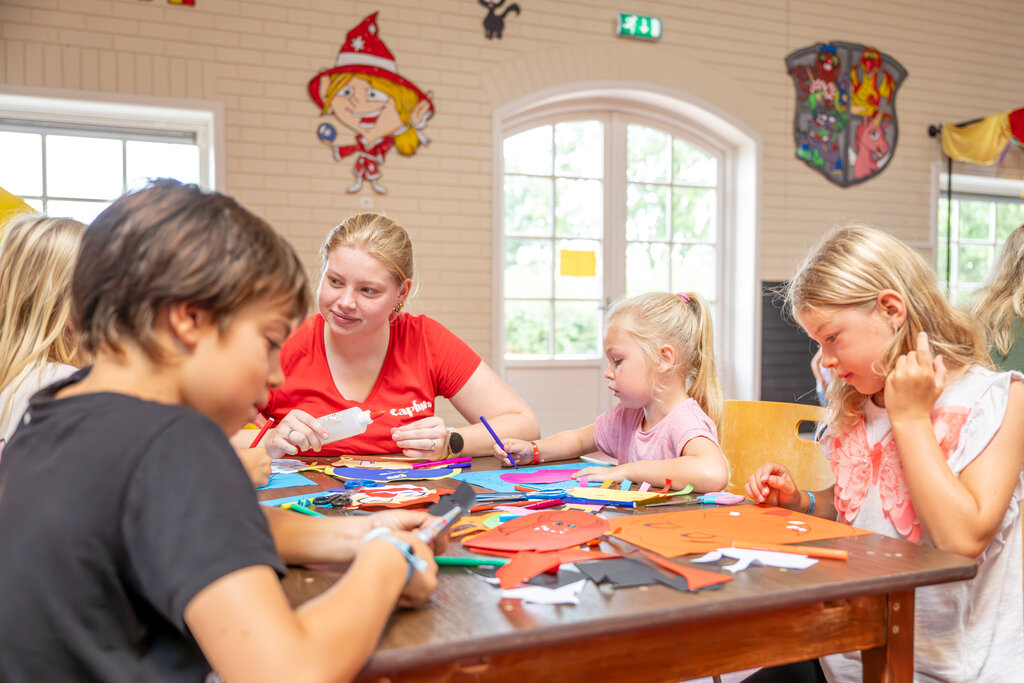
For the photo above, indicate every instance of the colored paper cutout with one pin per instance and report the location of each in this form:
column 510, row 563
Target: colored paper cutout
column 389, row 475
column 546, row 476
column 285, row 465
column 766, row 558
column 695, row 578
column 546, row 530
column 403, row 495
column 568, row 594
column 492, row 480
column 577, row 263
column 302, row 498
column 527, row 565
column 672, row 534
column 627, row 573
column 383, row 464
column 619, row 495
column 286, row 479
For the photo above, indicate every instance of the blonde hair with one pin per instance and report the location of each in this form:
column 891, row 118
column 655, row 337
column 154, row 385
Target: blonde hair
column 376, row 235
column 1001, row 300
column 850, row 267
column 683, row 321
column 406, row 99
column 37, row 257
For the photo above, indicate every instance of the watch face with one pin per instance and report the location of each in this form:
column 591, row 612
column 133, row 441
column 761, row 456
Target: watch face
column 455, row 442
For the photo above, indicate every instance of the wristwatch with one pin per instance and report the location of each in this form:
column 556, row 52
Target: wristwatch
column 455, row 442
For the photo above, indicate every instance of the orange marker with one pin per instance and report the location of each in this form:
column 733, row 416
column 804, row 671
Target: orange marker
column 808, row 550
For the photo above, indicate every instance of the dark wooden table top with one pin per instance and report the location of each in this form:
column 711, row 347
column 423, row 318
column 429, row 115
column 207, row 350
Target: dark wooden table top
column 467, row 618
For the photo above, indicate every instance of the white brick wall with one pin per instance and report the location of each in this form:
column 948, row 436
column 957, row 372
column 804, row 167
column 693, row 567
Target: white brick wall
column 257, row 56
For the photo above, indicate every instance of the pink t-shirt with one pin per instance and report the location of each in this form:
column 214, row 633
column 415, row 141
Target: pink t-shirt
column 617, row 432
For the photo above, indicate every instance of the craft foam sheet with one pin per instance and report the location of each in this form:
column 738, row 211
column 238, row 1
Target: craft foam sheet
column 286, row 479
column 493, row 479
column 388, row 475
column 672, row 534
column 546, row 530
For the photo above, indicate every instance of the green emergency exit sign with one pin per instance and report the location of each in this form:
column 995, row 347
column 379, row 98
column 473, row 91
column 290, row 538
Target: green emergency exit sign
column 639, row 26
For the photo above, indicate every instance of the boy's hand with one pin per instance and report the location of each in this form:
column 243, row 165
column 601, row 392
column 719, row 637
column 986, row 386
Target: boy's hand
column 915, row 382
column 257, row 464
column 298, row 431
column 772, row 483
column 521, row 451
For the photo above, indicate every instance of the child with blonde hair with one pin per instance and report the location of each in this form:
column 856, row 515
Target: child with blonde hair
column 925, row 442
column 37, row 345
column 999, row 304
column 661, row 367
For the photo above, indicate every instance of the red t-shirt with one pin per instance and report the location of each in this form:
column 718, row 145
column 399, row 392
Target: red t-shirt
column 424, row 361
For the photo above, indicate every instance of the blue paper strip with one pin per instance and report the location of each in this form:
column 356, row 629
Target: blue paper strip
column 286, row 479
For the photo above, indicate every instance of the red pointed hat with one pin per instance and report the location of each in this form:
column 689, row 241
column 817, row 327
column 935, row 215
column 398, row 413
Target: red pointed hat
column 363, row 52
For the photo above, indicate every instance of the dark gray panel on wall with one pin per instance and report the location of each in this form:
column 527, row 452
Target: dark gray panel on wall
column 786, row 353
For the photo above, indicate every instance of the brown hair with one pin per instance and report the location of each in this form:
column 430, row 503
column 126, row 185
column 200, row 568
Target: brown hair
column 682, row 321
column 37, row 255
column 171, row 243
column 1001, row 300
column 376, row 235
column 850, row 267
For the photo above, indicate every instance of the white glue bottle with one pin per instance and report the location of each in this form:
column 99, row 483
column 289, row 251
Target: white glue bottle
column 346, row 423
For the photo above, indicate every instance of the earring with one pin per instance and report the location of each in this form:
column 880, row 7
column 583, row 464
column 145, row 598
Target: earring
column 398, row 308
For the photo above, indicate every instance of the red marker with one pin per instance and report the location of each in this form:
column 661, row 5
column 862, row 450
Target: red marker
column 266, row 426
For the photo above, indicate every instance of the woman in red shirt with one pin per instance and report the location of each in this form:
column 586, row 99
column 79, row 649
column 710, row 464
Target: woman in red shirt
column 361, row 350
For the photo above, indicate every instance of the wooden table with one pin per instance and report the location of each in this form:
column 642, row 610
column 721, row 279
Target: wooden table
column 764, row 616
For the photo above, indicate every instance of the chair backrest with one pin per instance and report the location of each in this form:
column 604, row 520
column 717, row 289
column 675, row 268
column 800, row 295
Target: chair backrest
column 755, row 432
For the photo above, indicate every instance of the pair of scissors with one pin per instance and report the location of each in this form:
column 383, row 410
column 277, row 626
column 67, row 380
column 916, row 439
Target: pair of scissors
column 713, row 498
column 335, row 499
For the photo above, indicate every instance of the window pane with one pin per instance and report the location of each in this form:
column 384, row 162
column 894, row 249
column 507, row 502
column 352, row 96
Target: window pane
column 942, row 262
column 527, row 327
column 577, row 328
column 646, row 212
column 528, row 206
column 579, row 208
column 89, row 168
column 146, row 160
column 1009, row 216
column 693, row 270
column 579, row 149
column 529, row 152
column 579, row 286
column 973, row 264
column 21, row 163
column 975, row 220
column 648, row 154
column 693, row 214
column 691, row 166
column 647, row 268
column 36, row 204
column 528, row 266
column 80, row 211
column 943, row 219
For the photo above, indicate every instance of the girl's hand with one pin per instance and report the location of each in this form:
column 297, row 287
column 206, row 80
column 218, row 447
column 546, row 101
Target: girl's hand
column 520, row 451
column 298, row 431
column 422, row 583
column 400, row 520
column 772, row 483
column 915, row 382
column 426, row 438
column 598, row 473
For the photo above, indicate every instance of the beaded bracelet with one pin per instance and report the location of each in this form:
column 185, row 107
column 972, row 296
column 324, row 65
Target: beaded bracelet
column 412, row 559
column 810, row 508
column 536, row 454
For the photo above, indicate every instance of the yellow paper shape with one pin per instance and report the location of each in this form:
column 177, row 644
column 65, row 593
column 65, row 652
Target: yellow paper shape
column 578, row 263
column 614, row 494
column 10, row 206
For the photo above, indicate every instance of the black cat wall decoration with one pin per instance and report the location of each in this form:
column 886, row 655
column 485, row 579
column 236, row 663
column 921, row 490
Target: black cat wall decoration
column 494, row 23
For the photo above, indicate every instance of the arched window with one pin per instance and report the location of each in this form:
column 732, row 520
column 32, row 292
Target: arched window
column 601, row 198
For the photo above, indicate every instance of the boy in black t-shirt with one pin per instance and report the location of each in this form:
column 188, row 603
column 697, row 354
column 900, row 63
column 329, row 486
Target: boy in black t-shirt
column 133, row 544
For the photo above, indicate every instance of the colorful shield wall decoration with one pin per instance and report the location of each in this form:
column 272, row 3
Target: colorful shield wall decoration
column 845, row 121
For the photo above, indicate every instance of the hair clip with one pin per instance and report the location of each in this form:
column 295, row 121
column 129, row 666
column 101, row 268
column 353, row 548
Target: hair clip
column 684, row 297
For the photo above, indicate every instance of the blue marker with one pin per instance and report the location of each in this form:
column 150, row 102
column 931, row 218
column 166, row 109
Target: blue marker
column 498, row 441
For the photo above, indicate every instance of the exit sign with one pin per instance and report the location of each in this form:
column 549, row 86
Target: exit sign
column 639, row 26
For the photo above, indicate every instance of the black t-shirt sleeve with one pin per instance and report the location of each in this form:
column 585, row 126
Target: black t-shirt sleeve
column 191, row 516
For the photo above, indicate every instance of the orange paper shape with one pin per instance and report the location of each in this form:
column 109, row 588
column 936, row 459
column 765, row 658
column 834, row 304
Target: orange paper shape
column 544, row 530
column 695, row 578
column 672, row 534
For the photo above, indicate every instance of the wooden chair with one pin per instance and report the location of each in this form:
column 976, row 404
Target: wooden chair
column 754, row 432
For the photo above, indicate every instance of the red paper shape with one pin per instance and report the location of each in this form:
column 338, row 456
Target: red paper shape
column 695, row 578
column 545, row 530
column 672, row 534
column 525, row 565
column 539, row 476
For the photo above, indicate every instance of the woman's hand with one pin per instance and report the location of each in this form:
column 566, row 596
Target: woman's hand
column 426, row 438
column 915, row 383
column 298, row 431
column 521, row 451
column 772, row 483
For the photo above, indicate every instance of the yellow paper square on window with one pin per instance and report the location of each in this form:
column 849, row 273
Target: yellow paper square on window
column 578, row 263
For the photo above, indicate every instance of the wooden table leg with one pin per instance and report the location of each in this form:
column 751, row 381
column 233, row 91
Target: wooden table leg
column 894, row 661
